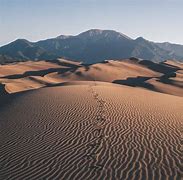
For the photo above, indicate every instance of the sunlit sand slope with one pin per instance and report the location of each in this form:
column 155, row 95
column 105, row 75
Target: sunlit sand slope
column 91, row 131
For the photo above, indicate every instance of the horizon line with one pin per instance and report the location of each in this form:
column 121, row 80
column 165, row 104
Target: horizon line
column 77, row 34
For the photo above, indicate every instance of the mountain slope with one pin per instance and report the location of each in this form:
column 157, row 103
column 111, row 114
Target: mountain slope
column 90, row 47
column 148, row 50
column 173, row 48
column 22, row 49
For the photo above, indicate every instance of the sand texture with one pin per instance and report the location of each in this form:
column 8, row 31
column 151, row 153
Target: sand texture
column 91, row 131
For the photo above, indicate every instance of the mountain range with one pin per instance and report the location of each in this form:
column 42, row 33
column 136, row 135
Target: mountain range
column 90, row 47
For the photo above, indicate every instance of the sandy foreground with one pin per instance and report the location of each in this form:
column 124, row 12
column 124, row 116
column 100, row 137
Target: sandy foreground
column 91, row 130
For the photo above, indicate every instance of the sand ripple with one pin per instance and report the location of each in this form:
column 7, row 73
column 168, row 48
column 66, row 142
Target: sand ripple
column 91, row 131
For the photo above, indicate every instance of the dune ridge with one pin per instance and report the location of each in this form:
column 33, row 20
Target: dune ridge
column 166, row 77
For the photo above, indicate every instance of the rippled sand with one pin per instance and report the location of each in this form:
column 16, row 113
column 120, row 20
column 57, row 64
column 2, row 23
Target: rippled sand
column 91, row 130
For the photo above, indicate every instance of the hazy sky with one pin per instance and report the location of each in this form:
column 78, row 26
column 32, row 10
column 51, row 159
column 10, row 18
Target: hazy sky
column 157, row 20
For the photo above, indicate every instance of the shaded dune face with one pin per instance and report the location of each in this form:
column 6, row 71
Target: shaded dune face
column 91, row 130
column 2, row 90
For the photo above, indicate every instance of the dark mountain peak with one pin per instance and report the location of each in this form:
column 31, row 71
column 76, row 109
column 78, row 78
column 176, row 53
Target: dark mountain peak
column 92, row 32
column 140, row 39
column 15, row 46
column 166, row 43
column 22, row 40
column 64, row 37
column 98, row 33
column 19, row 43
column 22, row 49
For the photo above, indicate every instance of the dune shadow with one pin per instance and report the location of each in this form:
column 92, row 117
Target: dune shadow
column 37, row 73
column 170, row 65
column 161, row 68
column 2, row 90
column 166, row 80
column 139, row 81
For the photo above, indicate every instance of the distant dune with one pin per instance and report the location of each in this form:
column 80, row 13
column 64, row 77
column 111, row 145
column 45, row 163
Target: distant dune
column 166, row 77
column 91, row 130
column 107, row 71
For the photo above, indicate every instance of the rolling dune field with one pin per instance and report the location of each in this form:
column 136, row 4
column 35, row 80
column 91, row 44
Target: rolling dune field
column 165, row 77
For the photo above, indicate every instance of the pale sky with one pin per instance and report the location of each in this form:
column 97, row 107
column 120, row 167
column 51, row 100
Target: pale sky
column 156, row 20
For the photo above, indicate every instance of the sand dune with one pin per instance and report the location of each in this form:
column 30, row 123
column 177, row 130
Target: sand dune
column 165, row 88
column 23, row 84
column 107, row 72
column 174, row 63
column 30, row 75
column 178, row 78
column 166, row 77
column 91, row 130
column 22, row 67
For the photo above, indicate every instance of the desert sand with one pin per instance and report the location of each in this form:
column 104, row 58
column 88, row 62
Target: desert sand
column 108, row 71
column 91, row 130
column 22, row 67
column 166, row 77
column 29, row 75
